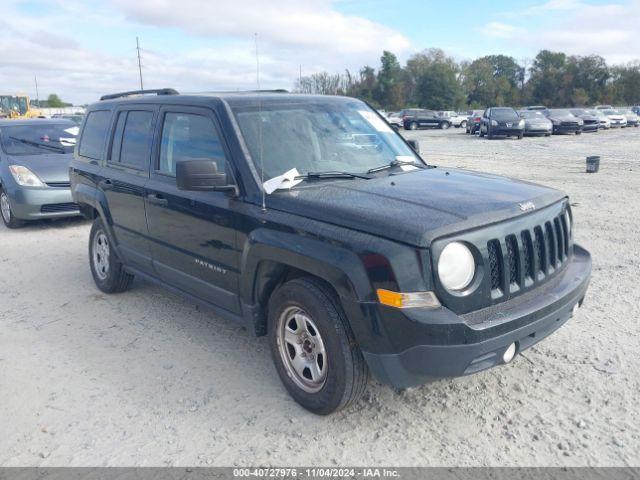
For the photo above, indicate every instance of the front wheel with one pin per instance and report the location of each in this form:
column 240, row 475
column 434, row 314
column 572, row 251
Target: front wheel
column 520, row 136
column 463, row 124
column 579, row 132
column 8, row 218
column 313, row 348
column 108, row 272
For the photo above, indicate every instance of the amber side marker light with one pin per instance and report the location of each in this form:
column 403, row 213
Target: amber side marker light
column 408, row 300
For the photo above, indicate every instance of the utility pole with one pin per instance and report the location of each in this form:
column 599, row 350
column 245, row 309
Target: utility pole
column 139, row 63
column 35, row 78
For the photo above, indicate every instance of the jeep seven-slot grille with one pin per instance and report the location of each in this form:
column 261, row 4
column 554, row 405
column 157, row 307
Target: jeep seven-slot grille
column 527, row 257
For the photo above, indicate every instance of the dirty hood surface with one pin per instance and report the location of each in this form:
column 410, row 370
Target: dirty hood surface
column 416, row 207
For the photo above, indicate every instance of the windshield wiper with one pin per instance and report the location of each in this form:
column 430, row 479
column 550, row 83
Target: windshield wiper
column 395, row 163
column 331, row 174
column 39, row 144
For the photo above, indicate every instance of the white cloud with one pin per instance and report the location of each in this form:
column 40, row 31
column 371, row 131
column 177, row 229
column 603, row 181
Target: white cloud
column 501, row 30
column 214, row 51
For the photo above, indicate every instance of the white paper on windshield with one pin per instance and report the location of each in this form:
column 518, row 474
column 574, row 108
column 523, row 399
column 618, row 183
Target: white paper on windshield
column 68, row 142
column 72, row 130
column 375, row 121
column 285, row 181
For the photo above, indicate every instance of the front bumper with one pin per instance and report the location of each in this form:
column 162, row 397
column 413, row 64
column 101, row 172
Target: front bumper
column 566, row 128
column 37, row 203
column 537, row 130
column 442, row 344
column 506, row 131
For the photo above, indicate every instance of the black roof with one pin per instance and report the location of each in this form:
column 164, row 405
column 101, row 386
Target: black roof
column 231, row 98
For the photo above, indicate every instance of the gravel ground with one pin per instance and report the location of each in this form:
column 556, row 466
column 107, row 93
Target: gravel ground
column 147, row 378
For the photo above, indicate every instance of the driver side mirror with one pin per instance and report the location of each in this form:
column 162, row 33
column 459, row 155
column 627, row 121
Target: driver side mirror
column 415, row 145
column 202, row 175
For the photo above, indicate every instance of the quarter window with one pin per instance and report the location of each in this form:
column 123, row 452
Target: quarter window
column 188, row 136
column 94, row 134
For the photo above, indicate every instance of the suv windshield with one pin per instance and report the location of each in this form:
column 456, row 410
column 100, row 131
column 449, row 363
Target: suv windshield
column 532, row 114
column 504, row 113
column 318, row 136
column 39, row 138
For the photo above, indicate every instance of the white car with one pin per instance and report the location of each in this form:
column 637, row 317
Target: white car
column 617, row 119
column 456, row 119
column 605, row 123
column 395, row 120
column 633, row 120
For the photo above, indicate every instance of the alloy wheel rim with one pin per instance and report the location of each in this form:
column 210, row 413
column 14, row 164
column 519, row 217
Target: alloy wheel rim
column 100, row 255
column 302, row 350
column 5, row 207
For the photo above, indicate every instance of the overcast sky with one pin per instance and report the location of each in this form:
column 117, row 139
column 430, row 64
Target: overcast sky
column 83, row 49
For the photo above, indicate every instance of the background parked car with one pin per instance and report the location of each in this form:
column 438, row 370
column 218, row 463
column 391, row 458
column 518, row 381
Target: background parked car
column 537, row 107
column 604, row 120
column 564, row 121
column 536, row 123
column 603, row 107
column 615, row 117
column 632, row 118
column 34, row 169
column 456, row 119
column 636, row 109
column 474, row 119
column 395, row 120
column 591, row 123
column 501, row 121
column 416, row 118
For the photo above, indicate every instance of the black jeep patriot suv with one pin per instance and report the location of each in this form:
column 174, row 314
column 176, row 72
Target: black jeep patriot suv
column 311, row 221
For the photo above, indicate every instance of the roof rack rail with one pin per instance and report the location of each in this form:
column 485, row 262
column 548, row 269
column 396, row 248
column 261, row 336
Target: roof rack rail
column 157, row 91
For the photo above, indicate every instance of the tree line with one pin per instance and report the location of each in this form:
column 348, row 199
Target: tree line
column 432, row 79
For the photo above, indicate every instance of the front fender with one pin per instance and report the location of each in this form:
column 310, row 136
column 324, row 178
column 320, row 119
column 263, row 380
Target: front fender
column 336, row 265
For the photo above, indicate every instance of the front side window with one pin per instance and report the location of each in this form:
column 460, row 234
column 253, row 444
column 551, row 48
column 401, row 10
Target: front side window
column 136, row 139
column 40, row 138
column 317, row 136
column 187, row 136
column 94, row 134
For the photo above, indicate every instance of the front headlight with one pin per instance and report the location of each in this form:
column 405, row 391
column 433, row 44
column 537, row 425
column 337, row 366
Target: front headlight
column 25, row 177
column 521, row 123
column 456, row 266
column 580, row 122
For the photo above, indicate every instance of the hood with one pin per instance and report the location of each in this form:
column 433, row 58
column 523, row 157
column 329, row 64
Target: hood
column 616, row 116
column 49, row 167
column 588, row 116
column 537, row 121
column 416, row 207
column 562, row 118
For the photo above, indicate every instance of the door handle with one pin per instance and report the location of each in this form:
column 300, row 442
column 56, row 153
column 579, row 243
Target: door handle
column 106, row 184
column 157, row 199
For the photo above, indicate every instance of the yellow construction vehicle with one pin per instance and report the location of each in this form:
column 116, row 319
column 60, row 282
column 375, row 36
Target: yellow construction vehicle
column 16, row 106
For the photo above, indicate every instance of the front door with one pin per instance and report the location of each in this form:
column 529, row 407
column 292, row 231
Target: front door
column 192, row 234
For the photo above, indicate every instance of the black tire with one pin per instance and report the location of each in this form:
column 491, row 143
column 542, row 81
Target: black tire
column 481, row 132
column 520, row 136
column 8, row 218
column 444, row 125
column 547, row 134
column 463, row 124
column 108, row 274
column 346, row 374
column 413, row 125
column 579, row 132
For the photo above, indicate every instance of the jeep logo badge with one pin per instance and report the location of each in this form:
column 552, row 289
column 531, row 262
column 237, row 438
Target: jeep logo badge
column 526, row 206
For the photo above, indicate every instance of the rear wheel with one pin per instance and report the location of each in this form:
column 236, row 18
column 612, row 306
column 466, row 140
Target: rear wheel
column 520, row 136
column 8, row 218
column 463, row 124
column 579, row 132
column 444, row 125
column 313, row 348
column 481, row 132
column 413, row 126
column 107, row 270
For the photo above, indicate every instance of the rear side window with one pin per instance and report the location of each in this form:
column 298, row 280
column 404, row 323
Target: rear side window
column 132, row 139
column 187, row 136
column 94, row 134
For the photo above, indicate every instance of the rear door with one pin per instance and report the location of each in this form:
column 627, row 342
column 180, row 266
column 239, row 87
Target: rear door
column 192, row 234
column 124, row 179
column 429, row 119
